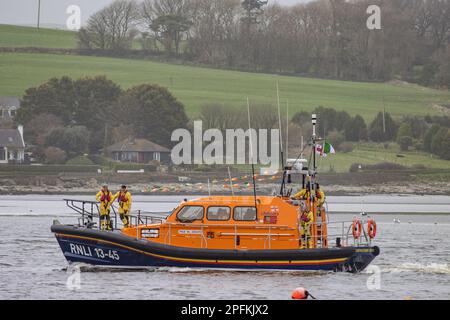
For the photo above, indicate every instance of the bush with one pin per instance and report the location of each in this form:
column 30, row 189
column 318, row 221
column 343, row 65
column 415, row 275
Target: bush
column 335, row 138
column 101, row 160
column 405, row 142
column 134, row 166
column 419, row 146
column 80, row 161
column 54, row 155
column 354, row 167
column 73, row 140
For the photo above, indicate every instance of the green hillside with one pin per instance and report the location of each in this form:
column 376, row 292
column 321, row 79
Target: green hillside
column 195, row 86
column 15, row 36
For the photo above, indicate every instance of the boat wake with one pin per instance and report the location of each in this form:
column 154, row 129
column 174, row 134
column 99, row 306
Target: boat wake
column 437, row 268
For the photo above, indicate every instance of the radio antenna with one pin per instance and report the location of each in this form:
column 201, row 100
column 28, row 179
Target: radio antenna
column 251, row 152
column 231, row 181
column 287, row 130
column 281, row 143
column 279, row 123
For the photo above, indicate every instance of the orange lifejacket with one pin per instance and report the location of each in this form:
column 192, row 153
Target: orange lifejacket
column 122, row 197
column 106, row 197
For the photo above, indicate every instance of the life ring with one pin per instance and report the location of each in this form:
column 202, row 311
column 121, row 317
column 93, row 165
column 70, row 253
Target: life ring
column 371, row 228
column 356, row 228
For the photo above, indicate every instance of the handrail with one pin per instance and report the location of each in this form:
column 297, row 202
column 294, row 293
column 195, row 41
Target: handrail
column 334, row 229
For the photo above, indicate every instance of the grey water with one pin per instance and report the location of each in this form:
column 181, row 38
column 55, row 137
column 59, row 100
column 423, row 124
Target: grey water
column 414, row 262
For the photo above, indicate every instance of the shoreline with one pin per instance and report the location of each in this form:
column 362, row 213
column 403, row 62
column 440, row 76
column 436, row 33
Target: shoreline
column 173, row 189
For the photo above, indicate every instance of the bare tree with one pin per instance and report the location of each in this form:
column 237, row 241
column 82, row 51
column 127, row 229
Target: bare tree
column 111, row 27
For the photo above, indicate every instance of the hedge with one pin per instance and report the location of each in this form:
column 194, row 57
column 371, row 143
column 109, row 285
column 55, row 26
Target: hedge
column 47, row 168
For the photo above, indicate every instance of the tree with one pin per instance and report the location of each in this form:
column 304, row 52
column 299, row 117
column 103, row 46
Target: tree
column 446, row 147
column 404, row 131
column 222, row 117
column 40, row 126
column 73, row 140
column 253, row 9
column 86, row 101
column 111, row 28
column 356, row 129
column 383, row 128
column 438, row 142
column 326, row 120
column 428, row 138
column 153, row 111
column 405, row 142
column 55, row 155
column 168, row 20
column 301, row 118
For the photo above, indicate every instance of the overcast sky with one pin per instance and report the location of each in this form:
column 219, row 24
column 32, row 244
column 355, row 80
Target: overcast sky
column 53, row 12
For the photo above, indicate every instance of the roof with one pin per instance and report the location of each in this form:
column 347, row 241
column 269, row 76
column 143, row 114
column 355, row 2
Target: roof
column 11, row 138
column 136, row 145
column 9, row 102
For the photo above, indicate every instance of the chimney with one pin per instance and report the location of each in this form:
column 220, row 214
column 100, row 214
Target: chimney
column 20, row 129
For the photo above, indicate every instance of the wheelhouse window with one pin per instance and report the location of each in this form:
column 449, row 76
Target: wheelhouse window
column 218, row 213
column 190, row 213
column 244, row 214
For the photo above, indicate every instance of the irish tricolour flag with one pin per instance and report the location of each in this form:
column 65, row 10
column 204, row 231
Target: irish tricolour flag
column 325, row 149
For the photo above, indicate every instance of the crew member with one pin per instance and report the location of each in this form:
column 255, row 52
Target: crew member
column 303, row 194
column 105, row 197
column 306, row 219
column 320, row 196
column 124, row 199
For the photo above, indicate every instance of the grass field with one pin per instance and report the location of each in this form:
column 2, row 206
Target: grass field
column 15, row 36
column 195, row 86
column 375, row 153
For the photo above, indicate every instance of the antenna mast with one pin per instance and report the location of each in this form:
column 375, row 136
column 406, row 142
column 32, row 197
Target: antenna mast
column 281, row 144
column 251, row 153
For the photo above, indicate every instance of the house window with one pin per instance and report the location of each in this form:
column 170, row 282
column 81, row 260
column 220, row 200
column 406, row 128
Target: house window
column 157, row 156
column 12, row 113
column 2, row 111
column 2, row 154
column 129, row 156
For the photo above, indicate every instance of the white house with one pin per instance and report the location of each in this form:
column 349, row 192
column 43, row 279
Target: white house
column 12, row 145
column 8, row 108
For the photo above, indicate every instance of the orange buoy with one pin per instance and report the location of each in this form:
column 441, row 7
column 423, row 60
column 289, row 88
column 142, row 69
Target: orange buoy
column 372, row 228
column 356, row 228
column 301, row 294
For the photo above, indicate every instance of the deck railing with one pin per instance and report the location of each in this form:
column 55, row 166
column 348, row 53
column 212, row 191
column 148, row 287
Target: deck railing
column 339, row 233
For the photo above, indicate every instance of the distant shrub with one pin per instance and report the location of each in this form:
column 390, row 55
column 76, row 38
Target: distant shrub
column 354, row 167
column 405, row 142
column 419, row 146
column 80, row 161
column 101, row 160
column 54, row 155
column 134, row 166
